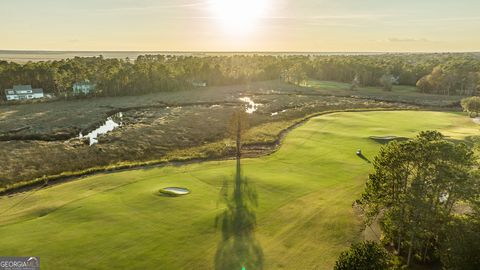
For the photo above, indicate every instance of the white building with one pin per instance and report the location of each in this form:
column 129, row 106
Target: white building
column 83, row 88
column 22, row 92
column 199, row 83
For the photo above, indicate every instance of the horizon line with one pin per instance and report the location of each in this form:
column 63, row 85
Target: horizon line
column 226, row 51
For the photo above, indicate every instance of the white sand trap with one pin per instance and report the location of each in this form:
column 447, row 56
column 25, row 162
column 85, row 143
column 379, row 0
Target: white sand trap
column 388, row 138
column 176, row 190
column 384, row 137
column 476, row 120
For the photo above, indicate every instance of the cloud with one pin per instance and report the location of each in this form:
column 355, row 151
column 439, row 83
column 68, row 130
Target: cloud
column 449, row 20
column 151, row 6
column 395, row 39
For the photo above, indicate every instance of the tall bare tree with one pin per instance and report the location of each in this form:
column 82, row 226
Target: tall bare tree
column 238, row 125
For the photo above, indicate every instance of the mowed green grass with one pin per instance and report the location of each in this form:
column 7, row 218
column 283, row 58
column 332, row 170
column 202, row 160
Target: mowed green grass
column 330, row 85
column 304, row 217
column 399, row 93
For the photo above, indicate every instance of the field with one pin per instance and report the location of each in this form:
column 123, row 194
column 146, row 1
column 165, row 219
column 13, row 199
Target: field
column 170, row 125
column 399, row 93
column 154, row 126
column 304, row 215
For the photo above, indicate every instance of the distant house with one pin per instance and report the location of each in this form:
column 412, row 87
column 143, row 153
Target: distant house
column 85, row 88
column 22, row 92
column 199, row 84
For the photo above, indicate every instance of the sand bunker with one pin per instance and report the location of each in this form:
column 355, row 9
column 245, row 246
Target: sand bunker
column 386, row 139
column 174, row 191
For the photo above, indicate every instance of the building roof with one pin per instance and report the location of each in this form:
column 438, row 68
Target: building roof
column 22, row 87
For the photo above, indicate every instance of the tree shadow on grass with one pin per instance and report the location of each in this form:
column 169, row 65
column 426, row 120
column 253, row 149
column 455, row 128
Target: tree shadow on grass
column 238, row 248
column 364, row 158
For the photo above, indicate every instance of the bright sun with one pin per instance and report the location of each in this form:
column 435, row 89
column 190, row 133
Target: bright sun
column 238, row 16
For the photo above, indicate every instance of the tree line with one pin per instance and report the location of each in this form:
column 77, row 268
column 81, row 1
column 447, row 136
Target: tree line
column 447, row 74
column 146, row 74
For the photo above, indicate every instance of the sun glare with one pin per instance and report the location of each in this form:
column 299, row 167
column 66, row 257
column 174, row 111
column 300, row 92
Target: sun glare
column 238, row 16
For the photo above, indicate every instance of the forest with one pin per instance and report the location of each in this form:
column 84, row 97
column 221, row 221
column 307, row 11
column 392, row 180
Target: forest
column 448, row 74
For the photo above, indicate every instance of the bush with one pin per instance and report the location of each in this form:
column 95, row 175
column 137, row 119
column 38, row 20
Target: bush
column 471, row 105
column 387, row 82
column 364, row 255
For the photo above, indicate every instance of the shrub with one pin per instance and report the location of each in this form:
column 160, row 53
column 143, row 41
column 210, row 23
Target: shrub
column 471, row 105
column 364, row 255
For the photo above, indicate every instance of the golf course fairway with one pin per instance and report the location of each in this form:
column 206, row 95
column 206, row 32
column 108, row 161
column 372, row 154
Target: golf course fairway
column 304, row 214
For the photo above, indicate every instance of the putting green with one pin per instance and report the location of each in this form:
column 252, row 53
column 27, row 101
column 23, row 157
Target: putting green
column 304, row 215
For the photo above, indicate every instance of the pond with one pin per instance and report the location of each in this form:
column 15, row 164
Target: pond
column 277, row 113
column 251, row 106
column 110, row 124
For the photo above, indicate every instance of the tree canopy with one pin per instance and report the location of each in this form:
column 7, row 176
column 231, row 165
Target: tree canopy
column 362, row 256
column 471, row 105
column 415, row 188
column 432, row 73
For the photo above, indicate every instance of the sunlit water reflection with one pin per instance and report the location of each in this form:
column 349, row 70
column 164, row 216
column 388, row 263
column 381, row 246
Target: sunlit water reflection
column 110, row 124
column 251, row 106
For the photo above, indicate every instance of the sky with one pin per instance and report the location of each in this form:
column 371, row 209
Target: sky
column 241, row 25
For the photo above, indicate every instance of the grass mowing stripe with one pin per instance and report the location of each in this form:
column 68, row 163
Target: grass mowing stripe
column 304, row 219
